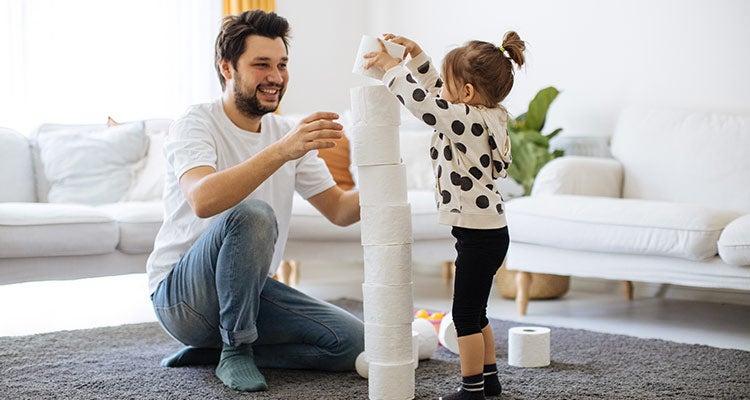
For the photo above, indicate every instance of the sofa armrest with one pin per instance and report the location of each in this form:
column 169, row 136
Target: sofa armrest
column 585, row 176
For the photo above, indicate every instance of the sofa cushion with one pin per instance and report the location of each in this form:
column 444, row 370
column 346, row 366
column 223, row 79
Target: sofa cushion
column 44, row 229
column 684, row 156
column 138, row 223
column 90, row 165
column 734, row 243
column 15, row 157
column 148, row 183
column 618, row 225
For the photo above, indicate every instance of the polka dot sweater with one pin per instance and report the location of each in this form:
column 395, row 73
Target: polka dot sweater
column 470, row 146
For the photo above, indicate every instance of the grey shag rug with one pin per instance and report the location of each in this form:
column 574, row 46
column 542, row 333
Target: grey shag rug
column 123, row 363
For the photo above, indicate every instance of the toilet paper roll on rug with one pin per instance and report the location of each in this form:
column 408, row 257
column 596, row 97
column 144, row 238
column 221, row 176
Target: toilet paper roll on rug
column 388, row 304
column 388, row 343
column 528, row 346
column 374, row 105
column 386, row 225
column 376, row 145
column 391, row 381
column 382, row 184
column 388, row 264
column 447, row 335
column 369, row 44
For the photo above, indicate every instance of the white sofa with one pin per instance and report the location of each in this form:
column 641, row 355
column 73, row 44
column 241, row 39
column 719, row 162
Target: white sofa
column 672, row 206
column 100, row 213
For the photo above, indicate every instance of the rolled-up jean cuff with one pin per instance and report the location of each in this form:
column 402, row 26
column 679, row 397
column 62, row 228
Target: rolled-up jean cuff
column 235, row 339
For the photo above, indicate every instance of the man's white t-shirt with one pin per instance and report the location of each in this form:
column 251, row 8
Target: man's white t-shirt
column 205, row 136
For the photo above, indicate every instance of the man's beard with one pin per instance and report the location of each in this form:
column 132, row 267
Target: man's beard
column 250, row 105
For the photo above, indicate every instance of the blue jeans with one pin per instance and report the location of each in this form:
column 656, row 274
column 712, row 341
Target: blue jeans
column 219, row 293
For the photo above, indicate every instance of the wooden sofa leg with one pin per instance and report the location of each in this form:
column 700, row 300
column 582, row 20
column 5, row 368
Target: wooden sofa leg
column 627, row 288
column 523, row 283
column 294, row 272
column 282, row 273
column 449, row 269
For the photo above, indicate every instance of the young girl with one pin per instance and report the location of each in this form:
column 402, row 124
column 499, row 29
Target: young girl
column 470, row 149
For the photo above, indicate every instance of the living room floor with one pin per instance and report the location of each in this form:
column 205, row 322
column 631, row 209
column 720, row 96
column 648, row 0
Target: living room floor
column 36, row 307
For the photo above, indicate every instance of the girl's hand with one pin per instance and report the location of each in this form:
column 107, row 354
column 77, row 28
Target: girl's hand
column 381, row 59
column 412, row 48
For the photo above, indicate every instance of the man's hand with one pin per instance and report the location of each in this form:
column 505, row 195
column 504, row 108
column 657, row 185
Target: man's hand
column 311, row 133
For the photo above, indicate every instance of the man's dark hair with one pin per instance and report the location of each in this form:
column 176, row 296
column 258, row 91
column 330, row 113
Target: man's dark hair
column 230, row 44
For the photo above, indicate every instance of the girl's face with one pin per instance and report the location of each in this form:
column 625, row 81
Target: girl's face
column 447, row 90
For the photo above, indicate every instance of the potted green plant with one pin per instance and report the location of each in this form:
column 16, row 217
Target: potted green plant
column 529, row 146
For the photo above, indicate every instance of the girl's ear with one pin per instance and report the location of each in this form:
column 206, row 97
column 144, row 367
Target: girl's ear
column 468, row 93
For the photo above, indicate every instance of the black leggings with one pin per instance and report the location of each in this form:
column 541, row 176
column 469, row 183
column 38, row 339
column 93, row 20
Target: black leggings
column 480, row 254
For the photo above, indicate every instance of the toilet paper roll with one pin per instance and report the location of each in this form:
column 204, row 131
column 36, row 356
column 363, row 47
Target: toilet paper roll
column 428, row 338
column 374, row 105
column 388, row 343
column 391, row 381
column 447, row 335
column 388, row 265
column 382, row 184
column 388, row 304
column 386, row 225
column 370, row 44
column 528, row 346
column 376, row 144
column 415, row 348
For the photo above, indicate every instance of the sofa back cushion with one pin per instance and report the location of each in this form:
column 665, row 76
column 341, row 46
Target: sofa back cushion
column 684, row 156
column 17, row 177
column 88, row 164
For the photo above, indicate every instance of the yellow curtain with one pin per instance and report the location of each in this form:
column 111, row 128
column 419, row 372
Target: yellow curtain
column 238, row 6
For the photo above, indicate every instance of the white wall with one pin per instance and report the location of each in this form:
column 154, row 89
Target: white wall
column 602, row 55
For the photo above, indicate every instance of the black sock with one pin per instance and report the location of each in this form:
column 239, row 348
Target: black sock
column 492, row 386
column 472, row 388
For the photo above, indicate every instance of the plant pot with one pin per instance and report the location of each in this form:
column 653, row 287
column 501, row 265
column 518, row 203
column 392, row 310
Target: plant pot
column 543, row 286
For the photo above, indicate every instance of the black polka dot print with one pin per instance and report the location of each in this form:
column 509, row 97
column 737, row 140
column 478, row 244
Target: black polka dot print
column 483, row 202
column 490, row 187
column 410, row 78
column 447, row 153
column 476, row 172
column 461, row 147
column 485, row 160
column 429, row 119
column 440, row 171
column 477, row 129
column 433, row 153
column 458, row 127
column 440, row 135
column 467, row 109
column 498, row 165
column 442, row 103
column 439, row 83
column 446, row 196
column 393, row 80
column 424, row 68
column 455, row 178
column 500, row 208
column 493, row 145
column 418, row 95
column 466, row 183
column 401, row 99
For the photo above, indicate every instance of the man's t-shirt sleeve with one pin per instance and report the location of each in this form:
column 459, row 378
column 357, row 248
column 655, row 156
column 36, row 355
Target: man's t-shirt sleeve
column 188, row 145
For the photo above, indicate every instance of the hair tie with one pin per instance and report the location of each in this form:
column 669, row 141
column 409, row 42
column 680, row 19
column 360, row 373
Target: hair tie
column 502, row 50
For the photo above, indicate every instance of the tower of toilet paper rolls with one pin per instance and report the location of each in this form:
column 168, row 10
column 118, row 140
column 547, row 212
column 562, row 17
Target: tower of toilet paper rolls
column 386, row 237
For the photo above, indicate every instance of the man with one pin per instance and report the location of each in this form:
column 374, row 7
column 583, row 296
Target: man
column 232, row 169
